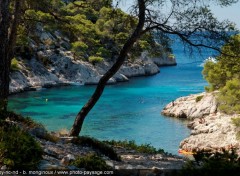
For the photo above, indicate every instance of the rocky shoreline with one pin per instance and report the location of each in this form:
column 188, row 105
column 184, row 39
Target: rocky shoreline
column 57, row 155
column 50, row 62
column 211, row 130
column 59, row 150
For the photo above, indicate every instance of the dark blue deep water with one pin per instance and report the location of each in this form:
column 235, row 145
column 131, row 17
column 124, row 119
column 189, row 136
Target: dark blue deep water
column 128, row 110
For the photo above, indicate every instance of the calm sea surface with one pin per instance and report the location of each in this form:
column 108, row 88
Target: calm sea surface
column 128, row 110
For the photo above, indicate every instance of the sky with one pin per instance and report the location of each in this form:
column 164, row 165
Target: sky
column 232, row 13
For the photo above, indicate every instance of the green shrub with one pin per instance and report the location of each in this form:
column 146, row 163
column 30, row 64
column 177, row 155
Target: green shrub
column 229, row 97
column 14, row 64
column 143, row 148
column 212, row 164
column 214, row 75
column 18, row 150
column 236, row 122
column 103, row 52
column 79, row 48
column 223, row 75
column 91, row 162
column 95, row 59
column 171, row 56
column 198, row 98
column 22, row 37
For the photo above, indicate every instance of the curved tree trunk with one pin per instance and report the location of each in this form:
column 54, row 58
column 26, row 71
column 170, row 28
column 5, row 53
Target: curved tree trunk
column 77, row 126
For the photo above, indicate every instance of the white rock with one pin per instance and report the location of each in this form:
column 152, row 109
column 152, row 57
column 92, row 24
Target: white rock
column 188, row 107
column 63, row 68
column 4, row 167
column 110, row 163
column 164, row 61
column 211, row 129
column 128, row 166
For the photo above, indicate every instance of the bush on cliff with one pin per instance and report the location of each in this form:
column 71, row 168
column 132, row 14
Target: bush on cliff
column 199, row 98
column 236, row 122
column 95, row 59
column 14, row 64
column 224, row 75
column 79, row 48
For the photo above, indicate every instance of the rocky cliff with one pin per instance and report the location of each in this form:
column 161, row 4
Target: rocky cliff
column 191, row 107
column 51, row 63
column 211, row 129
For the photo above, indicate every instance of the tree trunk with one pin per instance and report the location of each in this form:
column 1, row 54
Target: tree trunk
column 8, row 33
column 4, row 40
column 77, row 126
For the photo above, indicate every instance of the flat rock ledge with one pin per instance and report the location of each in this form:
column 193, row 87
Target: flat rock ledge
column 211, row 130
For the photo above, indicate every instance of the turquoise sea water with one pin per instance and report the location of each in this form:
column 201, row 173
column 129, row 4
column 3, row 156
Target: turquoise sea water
column 128, row 110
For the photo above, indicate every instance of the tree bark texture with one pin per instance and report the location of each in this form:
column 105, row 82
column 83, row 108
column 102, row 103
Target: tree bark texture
column 8, row 32
column 77, row 126
column 4, row 55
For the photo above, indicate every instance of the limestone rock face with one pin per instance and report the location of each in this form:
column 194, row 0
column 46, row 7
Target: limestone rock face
column 211, row 130
column 18, row 82
column 191, row 107
column 32, row 74
column 62, row 68
column 164, row 61
column 51, row 63
column 214, row 133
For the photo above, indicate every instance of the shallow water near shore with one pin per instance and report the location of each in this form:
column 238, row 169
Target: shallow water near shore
column 126, row 111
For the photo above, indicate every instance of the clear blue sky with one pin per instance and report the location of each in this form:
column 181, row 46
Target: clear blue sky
column 231, row 13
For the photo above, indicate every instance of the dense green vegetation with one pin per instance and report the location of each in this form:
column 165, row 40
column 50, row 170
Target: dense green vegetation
column 208, row 164
column 95, row 29
column 18, row 150
column 224, row 75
